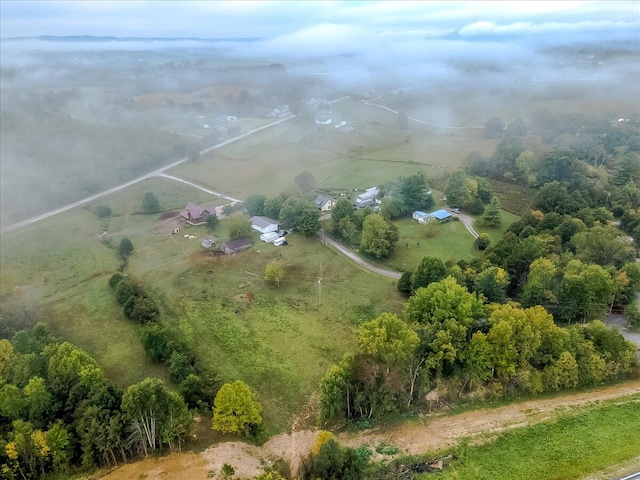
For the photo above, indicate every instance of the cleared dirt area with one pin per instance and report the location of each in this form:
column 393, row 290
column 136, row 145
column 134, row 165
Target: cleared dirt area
column 433, row 432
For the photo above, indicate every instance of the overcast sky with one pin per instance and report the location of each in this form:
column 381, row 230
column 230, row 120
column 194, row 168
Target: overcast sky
column 331, row 21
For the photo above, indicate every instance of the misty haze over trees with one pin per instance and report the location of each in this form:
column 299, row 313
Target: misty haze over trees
column 125, row 329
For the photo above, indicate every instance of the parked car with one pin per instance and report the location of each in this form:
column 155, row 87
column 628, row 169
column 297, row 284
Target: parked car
column 456, row 210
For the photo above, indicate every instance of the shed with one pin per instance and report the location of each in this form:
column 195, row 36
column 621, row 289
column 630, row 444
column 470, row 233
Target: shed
column 420, row 217
column 235, row 246
column 264, row 224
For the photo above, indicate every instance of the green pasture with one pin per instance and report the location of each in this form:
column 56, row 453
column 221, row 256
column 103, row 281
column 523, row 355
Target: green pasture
column 578, row 443
column 375, row 152
column 281, row 341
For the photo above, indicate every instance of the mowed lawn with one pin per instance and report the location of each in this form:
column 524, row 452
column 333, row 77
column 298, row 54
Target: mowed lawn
column 447, row 241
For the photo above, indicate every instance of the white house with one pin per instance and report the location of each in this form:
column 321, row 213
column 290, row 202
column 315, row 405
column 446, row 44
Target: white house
column 325, row 203
column 368, row 197
column 264, row 224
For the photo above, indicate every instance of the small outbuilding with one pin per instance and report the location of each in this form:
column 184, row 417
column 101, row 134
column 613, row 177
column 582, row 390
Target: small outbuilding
column 420, row 217
column 264, row 224
column 235, row 246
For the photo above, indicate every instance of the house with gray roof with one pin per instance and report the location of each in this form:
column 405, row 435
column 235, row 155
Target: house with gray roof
column 264, row 224
column 325, row 203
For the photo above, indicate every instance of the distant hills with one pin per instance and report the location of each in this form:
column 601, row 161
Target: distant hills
column 95, row 39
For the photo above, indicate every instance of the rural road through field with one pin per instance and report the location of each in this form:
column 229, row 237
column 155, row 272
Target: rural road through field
column 366, row 102
column 154, row 173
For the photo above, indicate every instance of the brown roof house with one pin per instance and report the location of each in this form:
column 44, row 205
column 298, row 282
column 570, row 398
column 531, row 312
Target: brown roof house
column 196, row 214
column 235, row 246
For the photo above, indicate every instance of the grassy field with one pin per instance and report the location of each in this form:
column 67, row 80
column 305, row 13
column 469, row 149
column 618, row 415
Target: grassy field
column 576, row 444
column 448, row 241
column 375, row 152
column 281, row 341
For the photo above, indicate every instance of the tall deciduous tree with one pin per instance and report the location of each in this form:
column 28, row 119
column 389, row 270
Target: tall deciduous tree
column 274, row 273
column 239, row 227
column 429, row 270
column 255, row 204
column 585, row 292
column 236, row 409
column 157, row 415
column 150, row 203
column 379, row 237
column 388, row 340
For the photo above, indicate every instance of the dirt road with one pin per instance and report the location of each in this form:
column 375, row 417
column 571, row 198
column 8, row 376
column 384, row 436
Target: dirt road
column 433, row 432
column 422, row 121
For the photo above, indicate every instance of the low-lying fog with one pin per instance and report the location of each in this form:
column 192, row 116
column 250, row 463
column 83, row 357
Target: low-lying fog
column 452, row 62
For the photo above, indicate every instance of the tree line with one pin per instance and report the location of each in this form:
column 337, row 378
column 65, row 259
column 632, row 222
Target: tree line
column 453, row 340
column 59, row 412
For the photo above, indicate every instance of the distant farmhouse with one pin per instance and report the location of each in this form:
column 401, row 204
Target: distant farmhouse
column 235, row 246
column 325, row 203
column 439, row 215
column 264, row 224
column 196, row 214
column 367, row 198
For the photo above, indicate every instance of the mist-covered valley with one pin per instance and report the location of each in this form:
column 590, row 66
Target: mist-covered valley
column 92, row 112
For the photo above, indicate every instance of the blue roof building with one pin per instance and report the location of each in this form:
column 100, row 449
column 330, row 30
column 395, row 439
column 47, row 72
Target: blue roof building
column 440, row 215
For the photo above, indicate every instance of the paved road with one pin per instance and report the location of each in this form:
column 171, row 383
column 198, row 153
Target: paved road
column 360, row 261
column 422, row 121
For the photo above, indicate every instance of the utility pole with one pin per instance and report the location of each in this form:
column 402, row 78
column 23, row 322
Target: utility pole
column 320, row 287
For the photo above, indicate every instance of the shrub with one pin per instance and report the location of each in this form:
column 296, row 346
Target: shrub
column 482, row 242
column 124, row 291
column 385, row 448
column 125, row 248
column 150, row 203
column 632, row 314
column 103, row 211
column 144, row 311
column 404, row 284
column 115, row 279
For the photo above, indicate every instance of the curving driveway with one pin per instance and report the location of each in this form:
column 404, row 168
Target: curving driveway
column 357, row 259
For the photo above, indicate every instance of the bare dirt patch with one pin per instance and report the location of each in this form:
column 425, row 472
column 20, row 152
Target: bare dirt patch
column 433, row 432
column 169, row 225
column 437, row 431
